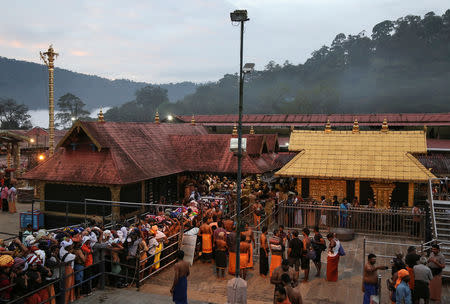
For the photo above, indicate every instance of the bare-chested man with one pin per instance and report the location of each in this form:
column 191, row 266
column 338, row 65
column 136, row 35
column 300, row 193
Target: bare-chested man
column 249, row 238
column 228, row 224
column 179, row 286
column 293, row 294
column 221, row 254
column 206, row 234
column 257, row 210
column 275, row 279
column 244, row 256
column 263, row 253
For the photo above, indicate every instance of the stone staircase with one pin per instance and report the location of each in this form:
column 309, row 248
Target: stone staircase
column 440, row 212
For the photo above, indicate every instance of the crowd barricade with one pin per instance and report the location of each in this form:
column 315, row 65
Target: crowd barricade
column 57, row 291
column 362, row 220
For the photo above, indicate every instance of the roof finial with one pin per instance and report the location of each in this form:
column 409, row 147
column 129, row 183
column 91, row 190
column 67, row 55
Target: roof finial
column 252, row 131
column 157, row 117
column 355, row 126
column 328, row 126
column 384, row 126
column 234, row 130
column 193, row 120
column 101, row 118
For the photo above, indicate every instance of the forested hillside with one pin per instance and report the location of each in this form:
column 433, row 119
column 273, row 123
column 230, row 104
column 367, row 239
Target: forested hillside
column 27, row 83
column 401, row 66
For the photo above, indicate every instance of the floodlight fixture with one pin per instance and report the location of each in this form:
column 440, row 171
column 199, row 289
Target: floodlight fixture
column 248, row 68
column 41, row 157
column 73, row 118
column 31, row 140
column 169, row 117
column 239, row 16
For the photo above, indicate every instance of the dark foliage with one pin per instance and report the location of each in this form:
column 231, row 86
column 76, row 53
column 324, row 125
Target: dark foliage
column 28, row 82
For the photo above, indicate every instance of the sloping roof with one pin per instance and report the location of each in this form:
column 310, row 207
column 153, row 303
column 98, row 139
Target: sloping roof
column 311, row 120
column 366, row 155
column 134, row 151
column 13, row 136
column 211, row 153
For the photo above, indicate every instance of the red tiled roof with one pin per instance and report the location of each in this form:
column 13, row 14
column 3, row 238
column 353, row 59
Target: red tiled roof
column 210, row 153
column 37, row 131
column 138, row 151
column 437, row 144
column 77, row 166
column 394, row 119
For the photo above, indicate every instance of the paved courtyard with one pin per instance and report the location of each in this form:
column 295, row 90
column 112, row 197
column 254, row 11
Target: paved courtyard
column 10, row 222
column 204, row 286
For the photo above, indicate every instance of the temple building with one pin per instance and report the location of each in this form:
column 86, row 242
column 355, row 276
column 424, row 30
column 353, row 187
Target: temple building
column 138, row 162
column 379, row 165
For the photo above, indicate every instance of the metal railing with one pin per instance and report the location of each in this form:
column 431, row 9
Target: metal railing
column 400, row 222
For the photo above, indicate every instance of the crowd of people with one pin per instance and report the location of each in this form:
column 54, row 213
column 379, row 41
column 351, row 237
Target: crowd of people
column 415, row 277
column 8, row 197
column 33, row 267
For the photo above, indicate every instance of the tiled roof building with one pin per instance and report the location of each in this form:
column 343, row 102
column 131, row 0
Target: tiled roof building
column 332, row 162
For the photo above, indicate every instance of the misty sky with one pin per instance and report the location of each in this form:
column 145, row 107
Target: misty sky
column 175, row 40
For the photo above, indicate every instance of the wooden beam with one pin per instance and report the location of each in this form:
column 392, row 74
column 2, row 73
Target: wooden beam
column 410, row 194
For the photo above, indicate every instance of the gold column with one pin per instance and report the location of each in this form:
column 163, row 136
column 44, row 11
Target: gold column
column 17, row 159
column 115, row 197
column 299, row 187
column 410, row 194
column 357, row 187
column 49, row 58
column 8, row 156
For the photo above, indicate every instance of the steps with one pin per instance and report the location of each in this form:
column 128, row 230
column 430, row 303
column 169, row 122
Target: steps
column 440, row 212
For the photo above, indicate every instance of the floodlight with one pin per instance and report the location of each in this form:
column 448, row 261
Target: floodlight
column 169, row 117
column 248, row 68
column 41, row 157
column 31, row 140
column 239, row 16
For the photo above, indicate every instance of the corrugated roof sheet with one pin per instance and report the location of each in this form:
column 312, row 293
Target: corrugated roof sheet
column 438, row 163
column 394, row 119
column 438, row 144
column 367, row 155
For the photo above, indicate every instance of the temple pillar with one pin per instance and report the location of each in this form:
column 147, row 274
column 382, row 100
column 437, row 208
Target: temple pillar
column 382, row 193
column 357, row 187
column 299, row 187
column 8, row 156
column 410, row 194
column 115, row 197
column 16, row 150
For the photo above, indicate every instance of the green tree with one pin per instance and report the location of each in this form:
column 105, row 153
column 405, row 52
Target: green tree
column 70, row 106
column 14, row 115
column 150, row 97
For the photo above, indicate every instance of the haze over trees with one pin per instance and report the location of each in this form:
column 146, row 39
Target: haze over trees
column 70, row 106
column 13, row 115
column 27, row 82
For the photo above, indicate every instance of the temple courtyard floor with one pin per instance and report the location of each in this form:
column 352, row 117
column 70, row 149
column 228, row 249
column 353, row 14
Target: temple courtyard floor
column 204, row 287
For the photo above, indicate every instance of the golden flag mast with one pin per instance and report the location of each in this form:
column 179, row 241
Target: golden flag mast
column 49, row 57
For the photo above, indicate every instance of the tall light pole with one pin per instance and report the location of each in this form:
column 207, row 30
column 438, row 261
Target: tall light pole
column 49, row 59
column 239, row 16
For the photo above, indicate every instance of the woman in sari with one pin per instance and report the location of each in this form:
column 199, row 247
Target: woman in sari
column 333, row 258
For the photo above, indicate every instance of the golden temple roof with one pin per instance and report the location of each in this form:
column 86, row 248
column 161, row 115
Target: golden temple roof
column 364, row 155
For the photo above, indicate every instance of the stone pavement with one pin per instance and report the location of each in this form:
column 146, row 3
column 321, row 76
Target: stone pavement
column 120, row 296
column 10, row 222
column 204, row 286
